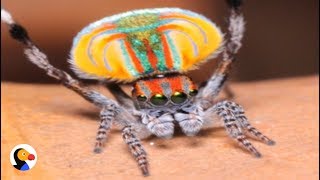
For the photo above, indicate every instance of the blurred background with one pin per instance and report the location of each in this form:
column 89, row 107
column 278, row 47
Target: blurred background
column 281, row 39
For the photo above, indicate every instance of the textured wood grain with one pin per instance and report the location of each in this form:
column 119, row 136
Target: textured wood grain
column 61, row 127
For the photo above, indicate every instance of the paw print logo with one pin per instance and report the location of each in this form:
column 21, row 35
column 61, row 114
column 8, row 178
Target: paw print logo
column 23, row 157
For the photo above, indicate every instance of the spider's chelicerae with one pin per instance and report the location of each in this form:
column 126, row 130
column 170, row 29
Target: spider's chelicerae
column 152, row 49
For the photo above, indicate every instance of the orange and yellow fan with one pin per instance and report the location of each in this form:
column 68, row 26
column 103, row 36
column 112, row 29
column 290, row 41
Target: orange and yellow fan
column 136, row 44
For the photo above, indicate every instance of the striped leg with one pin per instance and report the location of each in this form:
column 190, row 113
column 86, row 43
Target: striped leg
column 136, row 149
column 256, row 133
column 107, row 115
column 232, row 124
column 239, row 113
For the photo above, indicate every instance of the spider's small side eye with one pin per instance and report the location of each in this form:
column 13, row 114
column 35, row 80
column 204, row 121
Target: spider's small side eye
column 179, row 97
column 159, row 100
column 142, row 98
column 193, row 92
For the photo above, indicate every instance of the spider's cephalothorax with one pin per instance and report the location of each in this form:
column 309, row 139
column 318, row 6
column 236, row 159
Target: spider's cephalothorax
column 161, row 99
column 152, row 49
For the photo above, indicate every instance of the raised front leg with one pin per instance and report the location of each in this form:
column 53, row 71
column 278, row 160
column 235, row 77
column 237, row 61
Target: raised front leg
column 38, row 58
column 237, row 124
column 233, row 44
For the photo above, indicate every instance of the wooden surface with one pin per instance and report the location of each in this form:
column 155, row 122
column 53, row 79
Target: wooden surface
column 62, row 127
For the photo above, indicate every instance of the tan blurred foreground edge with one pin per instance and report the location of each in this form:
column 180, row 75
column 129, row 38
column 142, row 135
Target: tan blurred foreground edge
column 61, row 126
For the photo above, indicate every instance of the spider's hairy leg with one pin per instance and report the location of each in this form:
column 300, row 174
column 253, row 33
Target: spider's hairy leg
column 233, row 127
column 37, row 57
column 233, row 43
column 239, row 113
column 130, row 125
column 136, row 148
column 236, row 124
column 107, row 115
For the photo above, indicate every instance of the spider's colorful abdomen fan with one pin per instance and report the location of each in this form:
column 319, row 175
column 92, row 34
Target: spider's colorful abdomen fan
column 139, row 43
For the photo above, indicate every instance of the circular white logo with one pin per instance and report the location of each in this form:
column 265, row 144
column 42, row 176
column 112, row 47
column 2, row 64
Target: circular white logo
column 23, row 157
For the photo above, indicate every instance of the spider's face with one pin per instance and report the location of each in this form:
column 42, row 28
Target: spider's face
column 164, row 91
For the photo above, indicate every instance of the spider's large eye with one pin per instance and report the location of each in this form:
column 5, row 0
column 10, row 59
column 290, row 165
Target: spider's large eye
column 179, row 97
column 193, row 92
column 159, row 100
column 142, row 98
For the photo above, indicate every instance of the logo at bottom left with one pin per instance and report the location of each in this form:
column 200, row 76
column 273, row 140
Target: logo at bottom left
column 23, row 157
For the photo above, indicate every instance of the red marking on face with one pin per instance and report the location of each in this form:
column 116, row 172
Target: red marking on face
column 154, row 86
column 176, row 84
